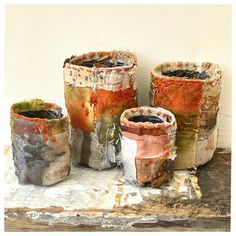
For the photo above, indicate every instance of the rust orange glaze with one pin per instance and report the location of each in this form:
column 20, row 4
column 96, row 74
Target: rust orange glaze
column 158, row 146
column 98, row 103
column 178, row 95
column 26, row 125
column 113, row 103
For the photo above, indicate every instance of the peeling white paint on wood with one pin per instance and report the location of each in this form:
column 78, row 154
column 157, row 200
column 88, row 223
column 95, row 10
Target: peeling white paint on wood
column 90, row 189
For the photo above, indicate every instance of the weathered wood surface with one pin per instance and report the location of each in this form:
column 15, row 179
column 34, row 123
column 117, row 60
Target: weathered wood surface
column 168, row 211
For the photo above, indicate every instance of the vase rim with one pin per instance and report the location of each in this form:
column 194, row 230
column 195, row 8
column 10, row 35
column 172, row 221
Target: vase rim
column 166, row 116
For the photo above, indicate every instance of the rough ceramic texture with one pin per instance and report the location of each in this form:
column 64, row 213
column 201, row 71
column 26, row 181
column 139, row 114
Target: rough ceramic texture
column 95, row 99
column 148, row 148
column 41, row 150
column 195, row 104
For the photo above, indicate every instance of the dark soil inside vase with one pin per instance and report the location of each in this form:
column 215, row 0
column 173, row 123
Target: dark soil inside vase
column 101, row 63
column 105, row 61
column 43, row 114
column 187, row 74
column 144, row 118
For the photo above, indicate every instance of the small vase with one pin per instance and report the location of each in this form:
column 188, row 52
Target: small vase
column 191, row 92
column 99, row 86
column 148, row 145
column 40, row 142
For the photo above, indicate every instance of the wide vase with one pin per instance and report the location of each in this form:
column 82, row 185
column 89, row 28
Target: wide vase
column 191, row 92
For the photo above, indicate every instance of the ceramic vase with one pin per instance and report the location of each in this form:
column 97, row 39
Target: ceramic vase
column 191, row 92
column 148, row 145
column 99, row 86
column 40, row 142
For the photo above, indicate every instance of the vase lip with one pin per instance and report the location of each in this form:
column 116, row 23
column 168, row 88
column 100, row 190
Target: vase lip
column 36, row 105
column 211, row 69
column 166, row 116
column 90, row 55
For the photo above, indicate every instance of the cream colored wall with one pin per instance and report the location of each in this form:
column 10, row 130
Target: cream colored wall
column 39, row 38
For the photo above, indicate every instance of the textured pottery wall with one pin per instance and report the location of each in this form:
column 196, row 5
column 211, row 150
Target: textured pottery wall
column 39, row 38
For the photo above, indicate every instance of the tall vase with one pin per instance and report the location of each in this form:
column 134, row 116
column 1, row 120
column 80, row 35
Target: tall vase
column 40, row 142
column 191, row 92
column 99, row 86
column 148, row 145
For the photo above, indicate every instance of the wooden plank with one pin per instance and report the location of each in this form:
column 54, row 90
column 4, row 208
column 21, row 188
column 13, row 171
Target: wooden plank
column 191, row 224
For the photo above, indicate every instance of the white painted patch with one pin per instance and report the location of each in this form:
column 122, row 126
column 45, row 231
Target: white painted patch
column 86, row 188
column 128, row 153
column 55, row 192
column 177, row 181
column 34, row 215
column 11, row 188
column 194, row 181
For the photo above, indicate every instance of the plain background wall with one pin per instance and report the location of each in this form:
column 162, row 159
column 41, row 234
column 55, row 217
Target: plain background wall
column 39, row 37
